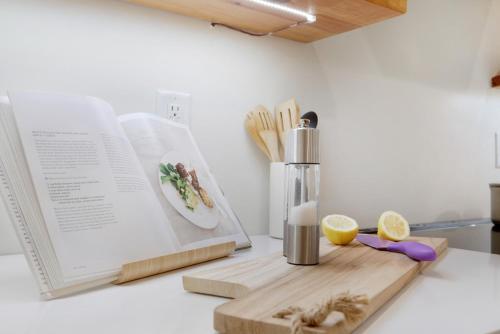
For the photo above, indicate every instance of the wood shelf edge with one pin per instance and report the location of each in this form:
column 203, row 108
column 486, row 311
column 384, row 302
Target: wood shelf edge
column 397, row 5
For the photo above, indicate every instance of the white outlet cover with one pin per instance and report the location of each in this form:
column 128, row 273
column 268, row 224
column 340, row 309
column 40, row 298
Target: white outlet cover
column 175, row 106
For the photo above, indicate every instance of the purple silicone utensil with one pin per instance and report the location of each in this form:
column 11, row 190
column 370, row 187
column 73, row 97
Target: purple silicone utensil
column 412, row 249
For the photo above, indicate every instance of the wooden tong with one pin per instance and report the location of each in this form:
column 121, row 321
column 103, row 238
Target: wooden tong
column 287, row 117
column 268, row 133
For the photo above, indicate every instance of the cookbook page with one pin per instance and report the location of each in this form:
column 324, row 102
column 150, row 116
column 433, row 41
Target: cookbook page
column 98, row 206
column 199, row 213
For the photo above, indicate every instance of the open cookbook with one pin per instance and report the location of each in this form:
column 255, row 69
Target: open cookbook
column 89, row 192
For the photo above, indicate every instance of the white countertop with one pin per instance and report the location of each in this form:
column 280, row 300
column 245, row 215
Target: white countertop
column 458, row 294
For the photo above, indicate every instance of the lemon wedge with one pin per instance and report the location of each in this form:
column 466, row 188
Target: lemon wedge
column 339, row 229
column 393, row 226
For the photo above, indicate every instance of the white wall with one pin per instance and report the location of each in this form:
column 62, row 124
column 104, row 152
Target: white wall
column 123, row 53
column 412, row 122
column 407, row 115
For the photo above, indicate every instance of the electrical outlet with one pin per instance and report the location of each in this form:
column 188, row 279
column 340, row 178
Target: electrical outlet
column 174, row 106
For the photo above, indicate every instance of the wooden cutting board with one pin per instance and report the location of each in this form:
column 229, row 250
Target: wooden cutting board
column 263, row 286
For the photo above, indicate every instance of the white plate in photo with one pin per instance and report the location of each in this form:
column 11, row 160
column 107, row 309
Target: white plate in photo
column 202, row 216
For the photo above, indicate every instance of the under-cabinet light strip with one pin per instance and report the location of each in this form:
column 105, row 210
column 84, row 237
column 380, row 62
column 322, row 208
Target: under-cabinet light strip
column 309, row 17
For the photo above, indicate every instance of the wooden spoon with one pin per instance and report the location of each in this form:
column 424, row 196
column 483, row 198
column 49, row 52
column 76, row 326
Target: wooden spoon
column 251, row 128
column 267, row 131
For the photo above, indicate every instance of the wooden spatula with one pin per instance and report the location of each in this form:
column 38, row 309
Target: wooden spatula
column 287, row 117
column 267, row 131
column 251, row 128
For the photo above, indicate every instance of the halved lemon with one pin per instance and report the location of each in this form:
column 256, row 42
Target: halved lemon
column 339, row 229
column 393, row 226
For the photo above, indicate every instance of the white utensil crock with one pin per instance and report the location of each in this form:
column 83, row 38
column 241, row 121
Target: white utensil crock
column 276, row 199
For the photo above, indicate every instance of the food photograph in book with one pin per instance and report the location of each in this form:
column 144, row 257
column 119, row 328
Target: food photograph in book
column 187, row 192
